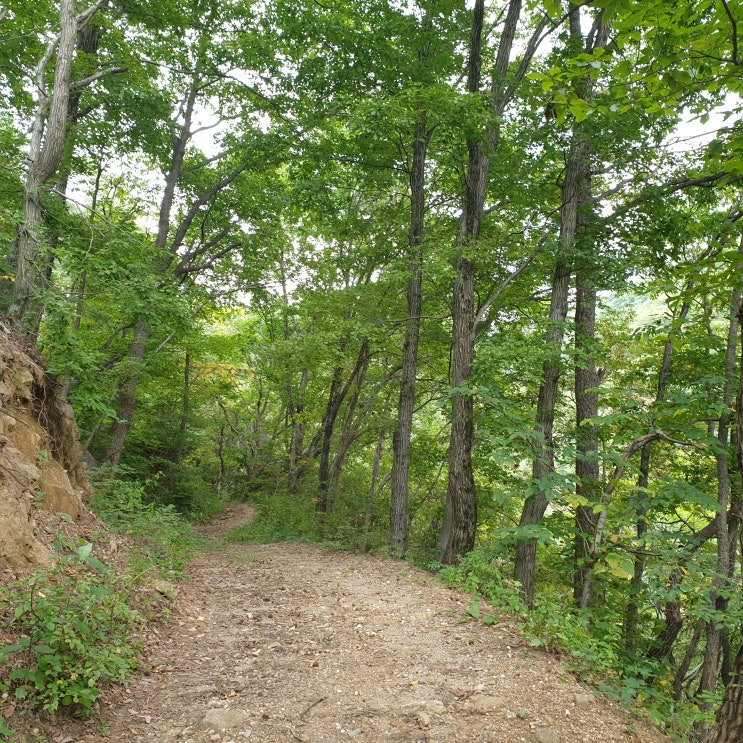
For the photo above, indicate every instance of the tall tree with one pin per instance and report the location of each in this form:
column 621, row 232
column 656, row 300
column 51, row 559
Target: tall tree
column 576, row 195
column 460, row 520
column 46, row 149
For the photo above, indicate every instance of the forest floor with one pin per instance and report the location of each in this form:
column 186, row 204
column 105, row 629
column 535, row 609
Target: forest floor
column 293, row 642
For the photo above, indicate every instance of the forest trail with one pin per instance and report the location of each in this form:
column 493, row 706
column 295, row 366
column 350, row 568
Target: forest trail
column 292, row 642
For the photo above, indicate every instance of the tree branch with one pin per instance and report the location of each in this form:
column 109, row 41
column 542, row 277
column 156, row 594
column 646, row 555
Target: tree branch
column 86, row 81
column 483, row 311
column 734, row 25
column 183, row 268
column 180, row 233
column 635, row 446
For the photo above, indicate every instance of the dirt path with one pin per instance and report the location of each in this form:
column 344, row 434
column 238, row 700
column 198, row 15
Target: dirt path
column 289, row 642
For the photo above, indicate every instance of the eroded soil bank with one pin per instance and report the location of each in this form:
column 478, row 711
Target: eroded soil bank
column 292, row 642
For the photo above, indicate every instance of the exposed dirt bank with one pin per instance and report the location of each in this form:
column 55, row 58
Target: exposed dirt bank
column 292, row 642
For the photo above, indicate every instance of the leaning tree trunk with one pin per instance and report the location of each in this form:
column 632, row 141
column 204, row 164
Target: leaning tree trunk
column 336, row 396
column 127, row 392
column 45, row 154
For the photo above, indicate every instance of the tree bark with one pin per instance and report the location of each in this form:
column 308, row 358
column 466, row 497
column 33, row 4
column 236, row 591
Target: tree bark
column 709, row 674
column 461, row 499
column 406, row 403
column 45, row 154
column 460, row 518
column 728, row 727
column 587, row 474
column 543, row 465
column 576, row 195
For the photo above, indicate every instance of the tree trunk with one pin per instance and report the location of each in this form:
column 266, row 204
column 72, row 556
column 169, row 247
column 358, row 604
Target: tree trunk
column 636, row 586
column 576, row 194
column 543, row 462
column 336, row 396
column 461, row 483
column 374, row 488
column 351, row 424
column 406, row 404
column 728, row 727
column 299, row 428
column 127, row 395
column 460, row 523
column 587, row 472
column 708, row 678
column 45, row 154
column 461, row 500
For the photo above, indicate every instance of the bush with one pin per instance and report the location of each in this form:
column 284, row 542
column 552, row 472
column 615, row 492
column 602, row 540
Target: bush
column 160, row 533
column 279, row 519
column 76, row 632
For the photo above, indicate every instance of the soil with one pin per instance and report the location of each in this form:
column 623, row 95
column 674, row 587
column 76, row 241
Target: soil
column 293, row 642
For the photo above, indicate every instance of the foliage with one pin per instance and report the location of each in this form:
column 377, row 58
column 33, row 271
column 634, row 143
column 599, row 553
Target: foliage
column 270, row 267
column 77, row 632
column 159, row 532
column 278, row 519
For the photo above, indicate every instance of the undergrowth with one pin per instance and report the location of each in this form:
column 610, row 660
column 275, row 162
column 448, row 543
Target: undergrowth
column 74, row 627
column 590, row 641
column 284, row 519
column 163, row 539
column 76, row 631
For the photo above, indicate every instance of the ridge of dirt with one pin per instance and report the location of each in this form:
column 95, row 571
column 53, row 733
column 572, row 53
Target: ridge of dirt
column 292, row 642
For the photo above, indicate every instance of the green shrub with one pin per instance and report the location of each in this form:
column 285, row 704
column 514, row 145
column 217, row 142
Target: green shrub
column 486, row 575
column 76, row 633
column 160, row 532
column 279, row 519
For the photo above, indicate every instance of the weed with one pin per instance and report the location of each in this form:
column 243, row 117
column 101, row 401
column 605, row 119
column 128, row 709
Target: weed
column 76, row 632
column 160, row 533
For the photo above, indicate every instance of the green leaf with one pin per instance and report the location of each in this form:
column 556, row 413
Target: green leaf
column 620, row 565
column 83, row 552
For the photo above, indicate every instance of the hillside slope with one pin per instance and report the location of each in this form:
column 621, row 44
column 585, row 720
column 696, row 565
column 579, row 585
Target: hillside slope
column 41, row 469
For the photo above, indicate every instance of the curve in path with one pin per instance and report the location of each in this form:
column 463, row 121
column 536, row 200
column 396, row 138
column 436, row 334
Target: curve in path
column 291, row 642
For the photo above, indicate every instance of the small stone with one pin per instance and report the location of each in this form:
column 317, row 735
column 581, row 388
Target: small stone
column 545, row 735
column 224, row 719
column 164, row 588
column 486, row 703
column 423, row 719
column 432, row 706
column 583, row 700
column 423, row 709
